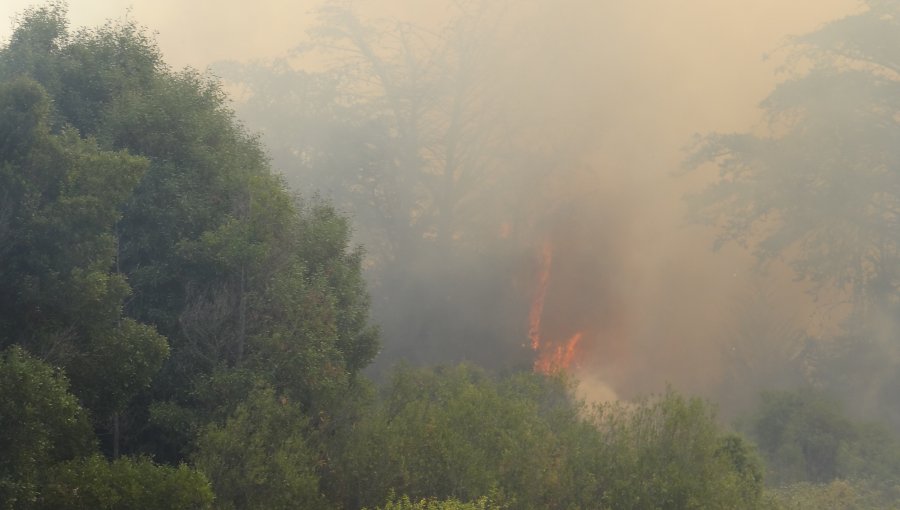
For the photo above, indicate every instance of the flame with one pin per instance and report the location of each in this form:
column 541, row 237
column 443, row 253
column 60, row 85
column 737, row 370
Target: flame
column 556, row 358
column 551, row 357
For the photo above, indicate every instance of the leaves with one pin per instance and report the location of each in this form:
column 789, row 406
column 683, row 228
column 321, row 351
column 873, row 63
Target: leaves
column 260, row 457
column 41, row 423
column 95, row 483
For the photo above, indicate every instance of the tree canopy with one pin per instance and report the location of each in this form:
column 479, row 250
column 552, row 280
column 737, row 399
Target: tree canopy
column 150, row 252
column 819, row 188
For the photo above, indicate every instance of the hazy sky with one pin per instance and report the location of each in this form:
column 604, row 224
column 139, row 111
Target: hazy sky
column 656, row 61
column 681, row 34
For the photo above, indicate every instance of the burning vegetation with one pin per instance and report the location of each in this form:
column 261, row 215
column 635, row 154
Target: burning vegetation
column 551, row 355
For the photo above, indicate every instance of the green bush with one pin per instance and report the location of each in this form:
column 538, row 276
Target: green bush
column 93, row 483
column 805, row 436
column 459, row 433
column 835, row 495
column 669, row 452
column 405, row 503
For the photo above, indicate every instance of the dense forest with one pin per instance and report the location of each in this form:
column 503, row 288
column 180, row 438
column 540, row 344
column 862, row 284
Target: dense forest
column 186, row 323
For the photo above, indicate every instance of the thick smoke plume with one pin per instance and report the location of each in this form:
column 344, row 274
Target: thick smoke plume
column 494, row 129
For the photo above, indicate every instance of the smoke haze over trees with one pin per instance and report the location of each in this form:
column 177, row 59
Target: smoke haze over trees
column 593, row 112
column 192, row 297
column 819, row 190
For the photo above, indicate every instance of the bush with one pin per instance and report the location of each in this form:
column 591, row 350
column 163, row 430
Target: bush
column 96, row 484
column 405, row 503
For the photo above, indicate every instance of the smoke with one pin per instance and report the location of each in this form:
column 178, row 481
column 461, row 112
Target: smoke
column 581, row 111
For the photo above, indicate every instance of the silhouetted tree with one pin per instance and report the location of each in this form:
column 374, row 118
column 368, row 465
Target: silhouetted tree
column 821, row 188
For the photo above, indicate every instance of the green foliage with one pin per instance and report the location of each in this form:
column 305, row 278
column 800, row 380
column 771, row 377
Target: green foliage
column 327, row 235
column 61, row 196
column 118, row 364
column 95, row 483
column 405, row 503
column 835, row 495
column 60, row 298
column 46, row 442
column 668, row 452
column 801, row 435
column 194, row 237
column 460, row 433
column 260, row 458
column 301, row 326
column 805, row 436
column 41, row 423
column 447, row 433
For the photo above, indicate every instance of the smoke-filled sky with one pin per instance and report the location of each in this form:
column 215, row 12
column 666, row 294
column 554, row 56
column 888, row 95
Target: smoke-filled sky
column 697, row 46
column 625, row 84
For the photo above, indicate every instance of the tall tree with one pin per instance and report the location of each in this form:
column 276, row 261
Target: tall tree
column 821, row 187
column 261, row 458
column 61, row 298
column 405, row 129
column 41, row 424
column 219, row 256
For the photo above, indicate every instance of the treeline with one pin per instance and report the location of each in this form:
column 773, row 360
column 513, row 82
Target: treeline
column 180, row 331
column 154, row 275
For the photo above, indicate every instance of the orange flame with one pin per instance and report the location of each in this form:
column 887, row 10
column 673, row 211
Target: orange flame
column 550, row 358
column 560, row 357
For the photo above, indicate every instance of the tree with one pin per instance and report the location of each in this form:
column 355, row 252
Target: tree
column 95, row 483
column 669, row 452
column 807, row 436
column 801, row 435
column 820, row 188
column 61, row 298
column 260, row 458
column 405, row 503
column 197, row 239
column 822, row 180
column 455, row 432
column 836, row 495
column 405, row 129
column 49, row 451
column 41, row 424
column 523, row 440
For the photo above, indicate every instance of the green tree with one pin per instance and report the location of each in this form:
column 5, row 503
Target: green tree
column 461, row 433
column 835, row 495
column 801, row 435
column 450, row 433
column 41, row 424
column 260, row 458
column 95, row 483
column 806, row 436
column 404, row 503
column 218, row 255
column 60, row 295
column 669, row 452
column 49, row 458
